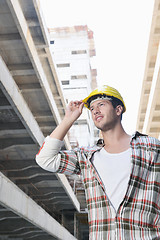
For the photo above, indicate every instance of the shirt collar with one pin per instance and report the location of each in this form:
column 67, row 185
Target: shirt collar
column 100, row 142
column 137, row 134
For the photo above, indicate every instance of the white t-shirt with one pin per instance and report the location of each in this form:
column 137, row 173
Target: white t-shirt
column 114, row 170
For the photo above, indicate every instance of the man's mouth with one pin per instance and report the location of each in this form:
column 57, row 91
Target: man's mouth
column 98, row 118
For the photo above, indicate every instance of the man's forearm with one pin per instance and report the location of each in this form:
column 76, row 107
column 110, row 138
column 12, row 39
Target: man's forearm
column 62, row 129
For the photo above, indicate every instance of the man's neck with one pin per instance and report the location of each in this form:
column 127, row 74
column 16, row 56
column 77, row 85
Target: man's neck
column 116, row 140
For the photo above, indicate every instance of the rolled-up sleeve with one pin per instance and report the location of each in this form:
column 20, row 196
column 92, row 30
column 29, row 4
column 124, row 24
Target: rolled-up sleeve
column 48, row 157
column 51, row 158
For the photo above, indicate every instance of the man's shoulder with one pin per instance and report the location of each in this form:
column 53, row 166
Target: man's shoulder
column 146, row 140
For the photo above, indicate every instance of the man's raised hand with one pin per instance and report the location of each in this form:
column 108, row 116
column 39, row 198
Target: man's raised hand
column 74, row 110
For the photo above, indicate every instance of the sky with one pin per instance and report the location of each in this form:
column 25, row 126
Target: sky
column 121, row 34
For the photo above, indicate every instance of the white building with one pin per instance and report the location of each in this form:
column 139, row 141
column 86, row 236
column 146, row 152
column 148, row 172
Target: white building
column 72, row 49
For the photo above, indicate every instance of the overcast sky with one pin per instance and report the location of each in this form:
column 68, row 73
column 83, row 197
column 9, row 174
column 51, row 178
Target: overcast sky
column 121, row 34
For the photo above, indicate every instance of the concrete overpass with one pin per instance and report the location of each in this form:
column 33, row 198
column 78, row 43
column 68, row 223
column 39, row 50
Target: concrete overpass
column 34, row 204
column 149, row 107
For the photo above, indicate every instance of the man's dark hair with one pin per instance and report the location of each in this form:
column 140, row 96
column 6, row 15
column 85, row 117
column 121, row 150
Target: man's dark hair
column 115, row 102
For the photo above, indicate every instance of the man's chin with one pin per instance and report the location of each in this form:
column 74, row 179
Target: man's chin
column 103, row 128
column 100, row 128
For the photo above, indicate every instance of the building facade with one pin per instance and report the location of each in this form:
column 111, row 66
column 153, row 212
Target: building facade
column 72, row 49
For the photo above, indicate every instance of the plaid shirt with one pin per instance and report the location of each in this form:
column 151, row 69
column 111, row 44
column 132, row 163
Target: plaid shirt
column 138, row 216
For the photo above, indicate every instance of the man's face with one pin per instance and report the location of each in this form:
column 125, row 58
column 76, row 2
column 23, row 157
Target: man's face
column 104, row 114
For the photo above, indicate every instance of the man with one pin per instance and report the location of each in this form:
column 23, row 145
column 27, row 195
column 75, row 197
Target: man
column 121, row 178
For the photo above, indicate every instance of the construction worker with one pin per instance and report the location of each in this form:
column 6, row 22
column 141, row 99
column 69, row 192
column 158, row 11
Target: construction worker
column 121, row 177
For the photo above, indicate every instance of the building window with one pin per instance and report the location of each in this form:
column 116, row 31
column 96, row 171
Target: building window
column 62, row 65
column 79, row 77
column 79, row 52
column 65, row 82
column 51, row 42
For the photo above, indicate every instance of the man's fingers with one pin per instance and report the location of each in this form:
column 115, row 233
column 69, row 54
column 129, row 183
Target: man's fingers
column 75, row 103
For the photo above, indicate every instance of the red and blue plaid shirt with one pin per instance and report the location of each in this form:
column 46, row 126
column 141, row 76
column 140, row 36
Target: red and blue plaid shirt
column 138, row 216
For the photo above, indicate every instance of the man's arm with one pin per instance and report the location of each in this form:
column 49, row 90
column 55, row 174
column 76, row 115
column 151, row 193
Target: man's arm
column 49, row 156
column 73, row 111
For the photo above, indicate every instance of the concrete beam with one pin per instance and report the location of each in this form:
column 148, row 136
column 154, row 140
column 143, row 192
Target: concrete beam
column 23, row 72
column 20, row 66
column 69, row 190
column 32, row 22
column 46, row 37
column 25, row 33
column 18, row 103
column 7, row 142
column 6, row 107
column 152, row 48
column 154, row 95
column 25, row 207
column 38, row 9
column 10, row 37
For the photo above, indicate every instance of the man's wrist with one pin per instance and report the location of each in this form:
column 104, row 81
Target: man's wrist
column 68, row 120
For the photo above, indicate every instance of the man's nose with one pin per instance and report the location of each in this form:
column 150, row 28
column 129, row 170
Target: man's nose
column 96, row 110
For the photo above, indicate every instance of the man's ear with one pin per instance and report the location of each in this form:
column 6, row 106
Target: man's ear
column 119, row 110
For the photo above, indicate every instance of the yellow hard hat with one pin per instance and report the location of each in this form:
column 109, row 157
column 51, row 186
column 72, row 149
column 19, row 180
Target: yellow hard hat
column 104, row 90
